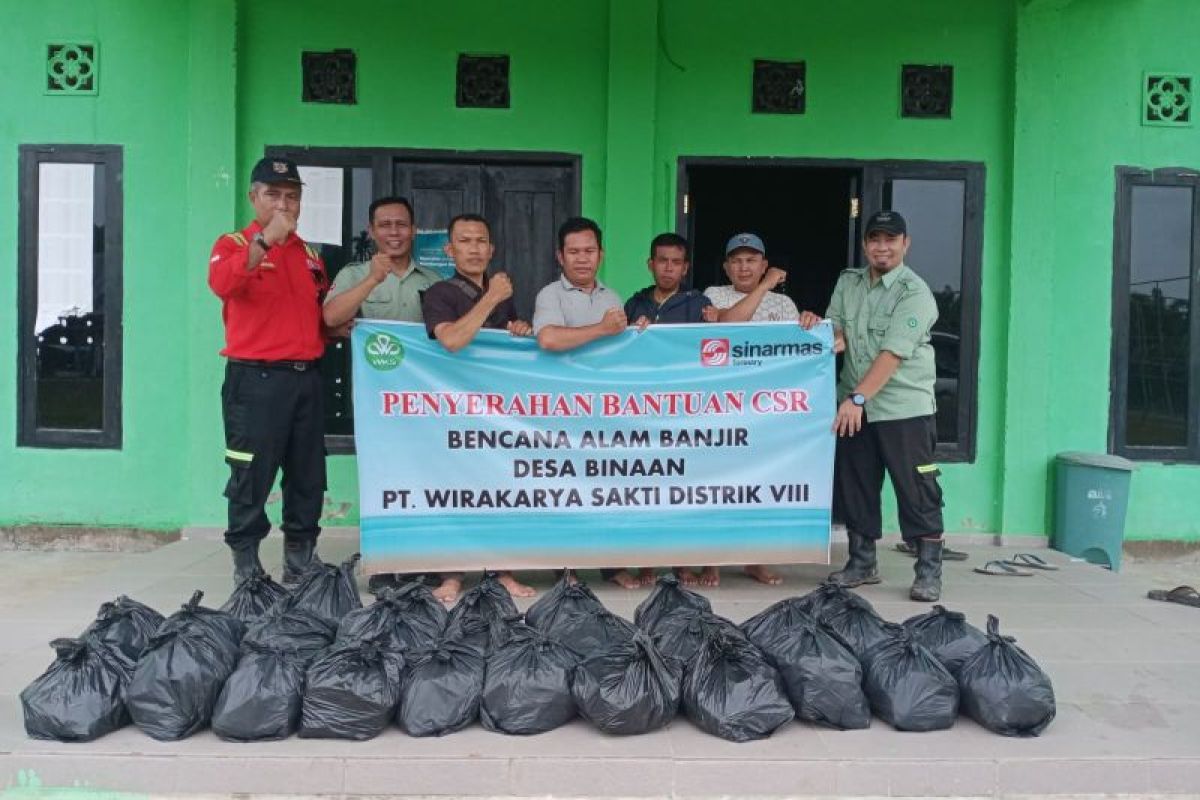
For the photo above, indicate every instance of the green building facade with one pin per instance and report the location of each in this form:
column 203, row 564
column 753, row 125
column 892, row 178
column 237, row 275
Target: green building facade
column 1054, row 137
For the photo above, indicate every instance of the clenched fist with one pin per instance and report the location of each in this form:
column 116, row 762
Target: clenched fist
column 499, row 288
column 614, row 321
column 279, row 228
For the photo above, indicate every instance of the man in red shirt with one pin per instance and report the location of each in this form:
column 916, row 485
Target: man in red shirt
column 271, row 286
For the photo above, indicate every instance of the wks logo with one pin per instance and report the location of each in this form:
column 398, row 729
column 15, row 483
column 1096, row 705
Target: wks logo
column 714, row 352
column 383, row 351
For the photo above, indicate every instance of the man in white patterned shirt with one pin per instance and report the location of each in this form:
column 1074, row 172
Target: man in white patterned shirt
column 749, row 298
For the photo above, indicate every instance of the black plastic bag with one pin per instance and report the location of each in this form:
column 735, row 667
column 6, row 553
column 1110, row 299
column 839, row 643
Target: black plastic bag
column 527, row 688
column 564, row 601
column 631, row 688
column 286, row 628
column 859, row 628
column 1004, row 689
column 681, row 634
column 351, row 691
column 947, row 635
column 788, row 614
column 488, row 602
column 178, row 679
column 668, row 597
column 126, row 626
column 262, row 699
column 822, row 677
column 402, row 617
column 81, row 695
column 328, row 590
column 830, row 597
column 254, row 596
column 441, row 688
column 909, row 688
column 731, row 691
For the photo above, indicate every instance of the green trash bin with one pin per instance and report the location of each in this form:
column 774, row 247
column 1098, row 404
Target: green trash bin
column 1090, row 503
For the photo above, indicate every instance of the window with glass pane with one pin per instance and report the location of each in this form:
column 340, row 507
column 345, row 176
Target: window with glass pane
column 70, row 296
column 934, row 210
column 333, row 218
column 1161, row 234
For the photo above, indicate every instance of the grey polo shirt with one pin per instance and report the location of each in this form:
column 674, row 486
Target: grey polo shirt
column 562, row 303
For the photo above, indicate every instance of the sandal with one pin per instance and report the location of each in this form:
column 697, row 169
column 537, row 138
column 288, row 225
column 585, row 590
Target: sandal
column 1030, row 560
column 947, row 553
column 1001, row 569
column 1184, row 595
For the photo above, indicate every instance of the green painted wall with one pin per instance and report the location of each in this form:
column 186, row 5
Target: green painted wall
column 1045, row 96
column 1079, row 68
column 142, row 105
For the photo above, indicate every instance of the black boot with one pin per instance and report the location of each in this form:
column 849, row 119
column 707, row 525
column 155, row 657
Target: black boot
column 245, row 562
column 862, row 567
column 927, row 587
column 298, row 556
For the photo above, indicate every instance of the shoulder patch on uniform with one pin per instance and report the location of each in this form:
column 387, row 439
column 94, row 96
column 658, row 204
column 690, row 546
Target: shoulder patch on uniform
column 237, row 237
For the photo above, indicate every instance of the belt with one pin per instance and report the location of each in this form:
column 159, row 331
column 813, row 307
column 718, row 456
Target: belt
column 297, row 366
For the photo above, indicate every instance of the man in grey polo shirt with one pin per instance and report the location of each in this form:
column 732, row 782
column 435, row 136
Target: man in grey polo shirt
column 388, row 286
column 577, row 308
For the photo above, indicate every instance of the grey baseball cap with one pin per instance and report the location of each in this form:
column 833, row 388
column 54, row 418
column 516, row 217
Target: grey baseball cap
column 745, row 240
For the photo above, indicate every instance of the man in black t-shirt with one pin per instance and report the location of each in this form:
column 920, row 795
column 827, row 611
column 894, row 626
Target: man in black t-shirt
column 455, row 310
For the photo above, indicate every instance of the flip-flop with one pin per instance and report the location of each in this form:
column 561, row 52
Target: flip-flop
column 1031, row 561
column 1001, row 570
column 1184, row 595
column 947, row 553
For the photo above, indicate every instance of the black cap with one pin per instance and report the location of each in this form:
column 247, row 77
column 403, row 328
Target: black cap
column 888, row 222
column 275, row 170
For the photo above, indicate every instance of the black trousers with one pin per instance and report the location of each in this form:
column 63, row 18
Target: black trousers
column 274, row 418
column 903, row 447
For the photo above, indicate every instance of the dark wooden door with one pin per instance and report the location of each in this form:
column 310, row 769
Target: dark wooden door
column 523, row 202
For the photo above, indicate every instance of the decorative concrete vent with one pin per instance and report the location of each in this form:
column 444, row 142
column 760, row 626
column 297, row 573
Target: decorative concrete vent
column 1167, row 99
column 780, row 87
column 72, row 68
column 926, row 91
column 482, row 82
column 330, row 77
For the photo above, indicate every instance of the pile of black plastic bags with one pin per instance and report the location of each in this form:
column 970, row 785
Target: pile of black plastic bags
column 314, row 662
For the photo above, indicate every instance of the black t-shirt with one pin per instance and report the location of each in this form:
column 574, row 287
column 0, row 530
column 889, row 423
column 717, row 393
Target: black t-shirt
column 449, row 300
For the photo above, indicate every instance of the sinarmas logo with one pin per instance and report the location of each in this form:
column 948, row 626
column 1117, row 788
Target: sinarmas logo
column 383, row 351
column 714, row 352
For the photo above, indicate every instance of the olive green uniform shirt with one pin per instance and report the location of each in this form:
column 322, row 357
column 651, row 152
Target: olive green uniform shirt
column 397, row 298
column 896, row 315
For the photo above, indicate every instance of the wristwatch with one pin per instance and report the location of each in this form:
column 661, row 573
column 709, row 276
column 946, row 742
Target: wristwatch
column 858, row 399
column 261, row 241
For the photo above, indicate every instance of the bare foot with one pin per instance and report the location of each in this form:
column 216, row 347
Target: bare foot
column 686, row 576
column 763, row 575
column 623, row 579
column 646, row 576
column 451, row 586
column 710, row 576
column 514, row 586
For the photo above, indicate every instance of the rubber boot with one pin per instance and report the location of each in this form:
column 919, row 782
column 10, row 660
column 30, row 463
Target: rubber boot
column 298, row 555
column 245, row 562
column 862, row 567
column 927, row 586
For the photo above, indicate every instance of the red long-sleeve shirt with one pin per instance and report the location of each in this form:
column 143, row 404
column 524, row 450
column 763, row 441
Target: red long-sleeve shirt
column 273, row 312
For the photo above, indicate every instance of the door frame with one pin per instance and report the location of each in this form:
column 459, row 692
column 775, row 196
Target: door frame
column 382, row 162
column 872, row 175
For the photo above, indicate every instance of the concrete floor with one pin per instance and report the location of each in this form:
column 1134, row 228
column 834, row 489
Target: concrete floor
column 1126, row 672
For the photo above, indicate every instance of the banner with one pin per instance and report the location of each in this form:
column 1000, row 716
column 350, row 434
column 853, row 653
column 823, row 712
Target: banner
column 678, row 445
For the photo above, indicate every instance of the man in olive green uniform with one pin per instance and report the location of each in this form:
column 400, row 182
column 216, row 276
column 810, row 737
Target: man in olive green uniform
column 882, row 315
column 389, row 286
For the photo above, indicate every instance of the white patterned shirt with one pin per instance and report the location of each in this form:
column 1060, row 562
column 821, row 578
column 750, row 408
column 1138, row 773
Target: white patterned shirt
column 775, row 307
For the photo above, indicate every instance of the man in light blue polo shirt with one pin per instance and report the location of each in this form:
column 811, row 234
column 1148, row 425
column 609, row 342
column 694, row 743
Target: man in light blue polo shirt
column 577, row 308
